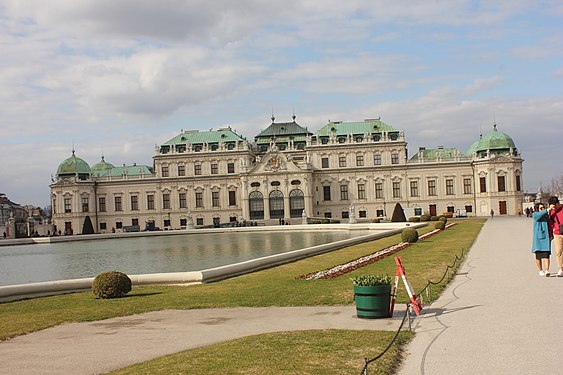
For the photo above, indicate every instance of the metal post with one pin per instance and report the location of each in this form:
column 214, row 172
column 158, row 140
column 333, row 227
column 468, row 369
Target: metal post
column 409, row 316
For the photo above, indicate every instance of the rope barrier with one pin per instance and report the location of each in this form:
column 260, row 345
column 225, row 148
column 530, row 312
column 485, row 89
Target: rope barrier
column 429, row 295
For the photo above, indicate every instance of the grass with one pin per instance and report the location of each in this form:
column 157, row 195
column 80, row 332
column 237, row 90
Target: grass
column 278, row 286
column 326, row 352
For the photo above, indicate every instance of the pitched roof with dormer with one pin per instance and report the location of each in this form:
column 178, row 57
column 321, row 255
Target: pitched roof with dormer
column 369, row 126
column 201, row 137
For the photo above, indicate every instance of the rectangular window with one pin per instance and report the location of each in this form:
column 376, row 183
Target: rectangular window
column 328, row 215
column 518, row 186
column 68, row 205
column 414, row 188
column 102, row 204
column 501, row 183
column 342, row 161
column 324, row 162
column 469, row 209
column 376, row 159
column 418, row 211
column 103, row 226
column 483, row 184
column 230, row 167
column 326, row 193
column 450, row 187
column 396, row 190
column 166, row 201
column 379, row 213
column 345, row 214
column 150, row 202
column 181, row 170
column 467, row 186
column 118, row 206
column 343, row 192
column 379, row 190
column 394, row 157
column 432, row 187
column 166, row 222
column 199, row 199
column 215, row 198
column 199, row 221
column 214, row 168
column 359, row 160
column 134, row 203
column 197, row 169
column 85, row 205
column 361, row 191
column 118, row 225
column 165, row 172
column 362, row 213
column 134, row 221
column 182, row 200
column 183, row 222
column 232, row 198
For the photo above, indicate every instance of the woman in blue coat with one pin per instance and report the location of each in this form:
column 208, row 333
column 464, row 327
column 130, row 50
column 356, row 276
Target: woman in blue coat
column 541, row 240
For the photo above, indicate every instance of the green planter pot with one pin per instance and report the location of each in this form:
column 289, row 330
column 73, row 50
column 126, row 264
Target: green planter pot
column 372, row 302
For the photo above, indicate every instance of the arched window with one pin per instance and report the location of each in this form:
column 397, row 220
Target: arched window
column 296, row 203
column 276, row 204
column 256, row 205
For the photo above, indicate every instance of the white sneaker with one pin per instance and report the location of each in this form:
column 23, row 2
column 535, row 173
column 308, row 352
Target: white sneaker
column 560, row 273
column 542, row 273
column 547, row 273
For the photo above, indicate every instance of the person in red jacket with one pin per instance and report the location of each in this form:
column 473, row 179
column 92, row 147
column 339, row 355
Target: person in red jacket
column 555, row 211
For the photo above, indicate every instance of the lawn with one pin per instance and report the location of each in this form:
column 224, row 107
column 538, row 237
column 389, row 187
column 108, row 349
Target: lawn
column 278, row 286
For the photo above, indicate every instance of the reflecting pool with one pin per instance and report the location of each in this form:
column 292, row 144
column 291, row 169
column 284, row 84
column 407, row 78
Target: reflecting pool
column 152, row 254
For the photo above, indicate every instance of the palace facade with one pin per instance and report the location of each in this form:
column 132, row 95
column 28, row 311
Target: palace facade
column 351, row 171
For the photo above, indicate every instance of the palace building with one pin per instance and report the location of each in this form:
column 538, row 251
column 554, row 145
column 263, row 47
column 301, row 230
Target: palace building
column 351, row 171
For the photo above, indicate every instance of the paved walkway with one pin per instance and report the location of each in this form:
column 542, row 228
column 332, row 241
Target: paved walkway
column 498, row 317
column 98, row 347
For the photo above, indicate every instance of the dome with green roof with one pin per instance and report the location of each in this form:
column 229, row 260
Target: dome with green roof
column 494, row 142
column 102, row 168
column 74, row 166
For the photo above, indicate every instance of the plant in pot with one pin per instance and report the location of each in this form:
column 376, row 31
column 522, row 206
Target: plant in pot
column 372, row 295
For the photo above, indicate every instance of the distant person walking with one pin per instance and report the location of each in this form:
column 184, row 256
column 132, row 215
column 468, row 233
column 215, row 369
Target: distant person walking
column 492, row 213
column 541, row 239
column 555, row 210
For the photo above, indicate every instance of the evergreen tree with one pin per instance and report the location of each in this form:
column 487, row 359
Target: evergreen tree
column 398, row 214
column 87, row 228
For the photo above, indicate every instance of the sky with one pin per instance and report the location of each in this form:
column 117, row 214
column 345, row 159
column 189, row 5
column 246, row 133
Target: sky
column 116, row 78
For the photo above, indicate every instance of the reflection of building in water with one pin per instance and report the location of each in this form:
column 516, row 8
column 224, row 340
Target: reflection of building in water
column 219, row 177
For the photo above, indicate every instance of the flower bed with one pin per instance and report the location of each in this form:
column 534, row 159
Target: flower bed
column 365, row 260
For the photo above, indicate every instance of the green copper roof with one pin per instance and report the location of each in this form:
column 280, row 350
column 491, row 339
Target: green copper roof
column 101, row 166
column 494, row 140
column 282, row 129
column 73, row 166
column 129, row 170
column 345, row 128
column 200, row 137
column 436, row 153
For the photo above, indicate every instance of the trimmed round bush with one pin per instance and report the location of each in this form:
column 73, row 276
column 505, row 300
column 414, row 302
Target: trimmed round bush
column 414, row 219
column 440, row 225
column 409, row 235
column 113, row 284
column 433, row 218
column 443, row 219
column 376, row 221
column 425, row 218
